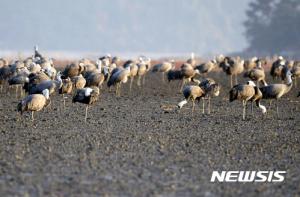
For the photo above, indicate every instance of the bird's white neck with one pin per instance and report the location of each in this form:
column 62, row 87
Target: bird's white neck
column 88, row 91
column 263, row 108
column 99, row 65
column 59, row 78
column 182, row 103
column 46, row 93
column 289, row 80
column 192, row 56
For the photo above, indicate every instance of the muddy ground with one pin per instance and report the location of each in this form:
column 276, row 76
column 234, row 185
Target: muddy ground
column 139, row 145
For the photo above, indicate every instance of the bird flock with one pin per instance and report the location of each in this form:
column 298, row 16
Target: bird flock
column 36, row 79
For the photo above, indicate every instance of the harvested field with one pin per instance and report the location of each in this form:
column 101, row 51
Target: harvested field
column 140, row 145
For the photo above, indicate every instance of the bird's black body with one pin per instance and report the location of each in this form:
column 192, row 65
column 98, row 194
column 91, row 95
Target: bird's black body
column 112, row 80
column 37, row 54
column 174, row 75
column 18, row 79
column 226, row 64
column 274, row 66
column 5, row 72
column 233, row 93
column 201, row 68
column 38, row 88
column 127, row 63
column 80, row 96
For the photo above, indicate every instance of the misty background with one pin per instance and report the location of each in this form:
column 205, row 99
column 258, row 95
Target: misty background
column 174, row 27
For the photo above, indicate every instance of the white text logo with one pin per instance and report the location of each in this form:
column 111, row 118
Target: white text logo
column 248, row 176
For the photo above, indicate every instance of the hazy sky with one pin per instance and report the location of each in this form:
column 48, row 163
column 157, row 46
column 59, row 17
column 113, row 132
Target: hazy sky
column 156, row 26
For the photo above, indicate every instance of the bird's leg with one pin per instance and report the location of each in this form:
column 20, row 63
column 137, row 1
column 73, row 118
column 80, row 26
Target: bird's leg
column 17, row 87
column 277, row 108
column 252, row 108
column 21, row 90
column 244, row 110
column 50, row 106
column 270, row 104
column 203, row 103
column 120, row 90
column 139, row 80
column 9, row 89
column 236, row 81
column 193, row 106
column 117, row 87
column 24, row 93
column 32, row 118
column 163, row 77
column 131, row 81
column 64, row 101
column 230, row 81
column 182, row 84
column 86, row 110
column 144, row 78
column 19, row 116
column 208, row 105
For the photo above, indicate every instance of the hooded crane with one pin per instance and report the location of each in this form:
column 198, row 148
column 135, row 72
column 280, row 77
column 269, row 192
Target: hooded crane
column 3, row 62
column 257, row 74
column 232, row 67
column 211, row 89
column 36, row 53
column 95, row 77
column 174, row 75
column 107, row 66
column 296, row 72
column 164, row 67
column 207, row 88
column 34, row 68
column 88, row 96
column 192, row 60
column 144, row 66
column 246, row 92
column 250, row 63
column 276, row 91
column 48, row 68
column 73, row 70
column 18, row 81
column 36, row 78
column 207, row 67
column 51, row 85
column 115, row 62
column 5, row 73
column 66, row 88
column 118, row 76
column 188, row 74
column 78, row 81
column 133, row 71
column 277, row 67
column 191, row 92
column 34, row 102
